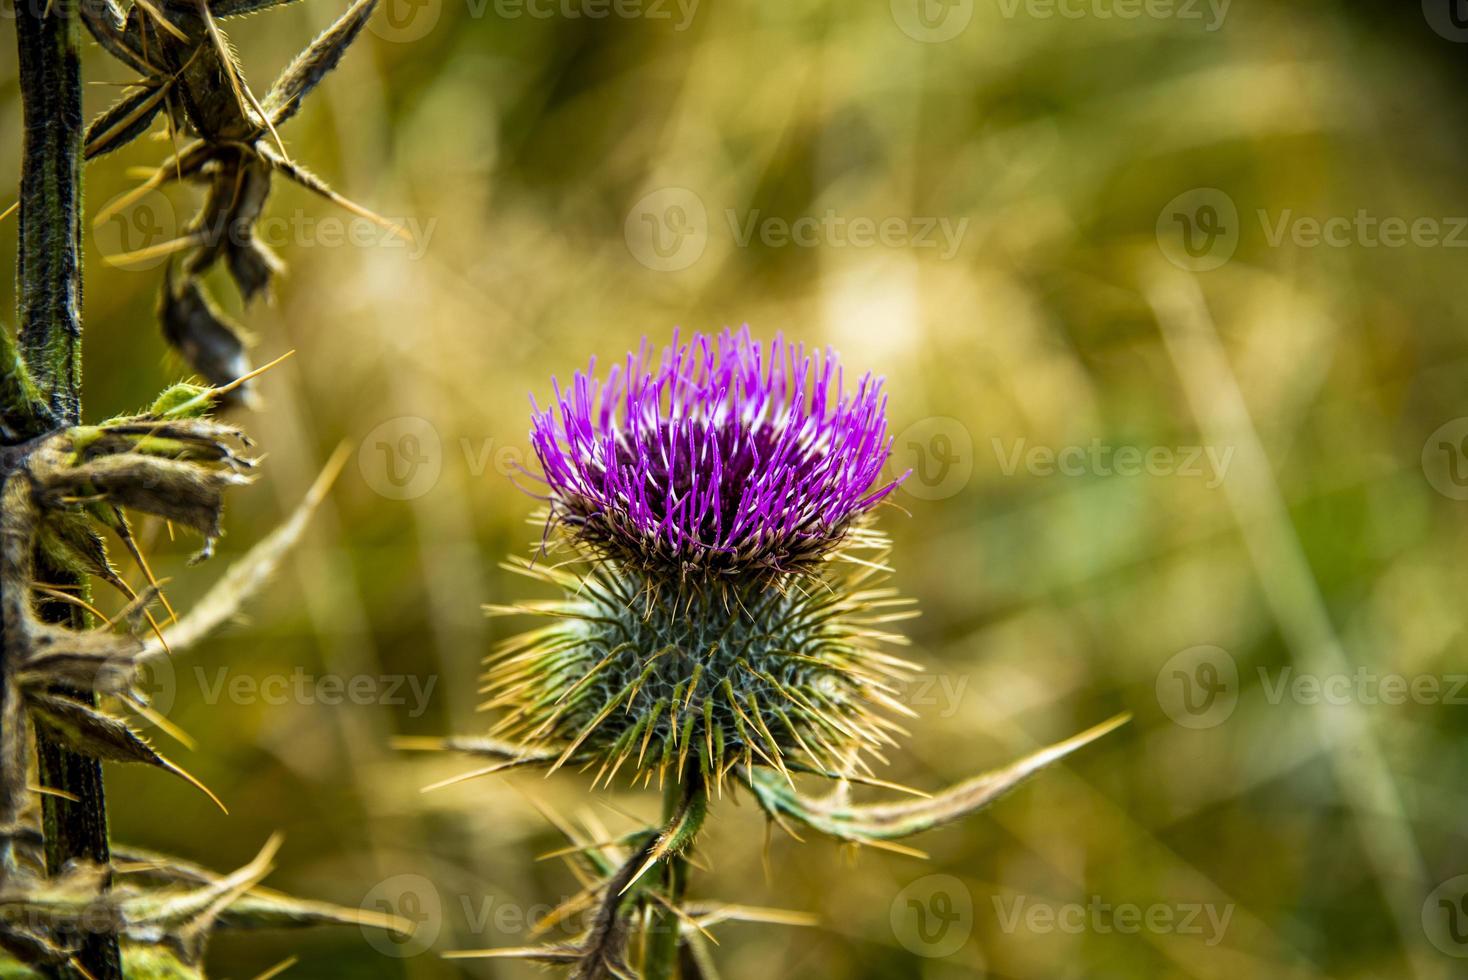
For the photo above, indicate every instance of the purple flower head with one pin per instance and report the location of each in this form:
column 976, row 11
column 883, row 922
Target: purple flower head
column 721, row 455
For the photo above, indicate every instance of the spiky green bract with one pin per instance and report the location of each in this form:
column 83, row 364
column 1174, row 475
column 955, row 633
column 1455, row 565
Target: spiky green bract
column 695, row 680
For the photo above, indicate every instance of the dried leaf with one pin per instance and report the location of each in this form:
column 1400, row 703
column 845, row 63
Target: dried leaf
column 874, row 823
column 316, row 62
column 258, row 908
column 207, row 340
column 125, row 120
column 97, row 735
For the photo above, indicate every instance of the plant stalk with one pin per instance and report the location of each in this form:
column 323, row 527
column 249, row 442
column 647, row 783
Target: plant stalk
column 662, row 960
column 41, row 383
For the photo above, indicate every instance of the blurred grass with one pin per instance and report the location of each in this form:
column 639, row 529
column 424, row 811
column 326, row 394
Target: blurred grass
column 522, row 145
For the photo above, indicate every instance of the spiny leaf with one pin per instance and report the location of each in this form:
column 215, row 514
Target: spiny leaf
column 313, row 64
column 96, row 735
column 874, row 823
column 126, row 120
column 258, row 908
column 681, row 830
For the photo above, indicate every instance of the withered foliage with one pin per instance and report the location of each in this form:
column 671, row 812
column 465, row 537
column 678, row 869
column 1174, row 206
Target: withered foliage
column 60, row 494
column 70, row 672
column 225, row 139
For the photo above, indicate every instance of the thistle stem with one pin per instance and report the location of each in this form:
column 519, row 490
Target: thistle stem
column 662, row 956
column 40, row 378
column 48, row 266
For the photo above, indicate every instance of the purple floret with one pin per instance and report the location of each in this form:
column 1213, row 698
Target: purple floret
column 723, row 456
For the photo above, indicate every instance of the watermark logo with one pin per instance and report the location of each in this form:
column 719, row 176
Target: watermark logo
column 402, row 458
column 1445, row 459
column 1448, row 18
column 1210, row 13
column 1445, row 917
column 668, row 229
column 158, row 682
column 1363, row 229
column 1199, row 687
column 1209, row 463
column 410, row 897
column 934, row 916
column 939, row 695
column 1363, row 687
column 832, row 229
column 406, row 21
column 1199, row 229
column 135, row 236
column 1202, row 919
column 939, row 452
column 932, row 21
column 299, row 687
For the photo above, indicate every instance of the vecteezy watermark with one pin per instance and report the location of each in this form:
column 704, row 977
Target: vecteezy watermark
column 157, row 681
column 668, row 230
column 1208, row 13
column 1445, row 917
column 403, row 457
column 1199, row 229
column 936, row 695
column 136, row 231
column 476, row 912
column 143, row 233
column 1362, row 686
column 405, row 21
column 1206, row 920
column 415, row 900
column 937, row 454
column 1448, row 18
column 1209, row 463
column 932, row 21
column 70, row 927
column 303, row 688
column 933, row 916
column 1445, row 459
column 1362, row 230
column 1199, row 687
column 831, row 229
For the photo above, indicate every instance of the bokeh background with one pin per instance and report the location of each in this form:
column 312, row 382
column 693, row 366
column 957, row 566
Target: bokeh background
column 1096, row 242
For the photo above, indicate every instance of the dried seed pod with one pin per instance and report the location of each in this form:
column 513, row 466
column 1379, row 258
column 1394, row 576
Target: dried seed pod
column 191, row 77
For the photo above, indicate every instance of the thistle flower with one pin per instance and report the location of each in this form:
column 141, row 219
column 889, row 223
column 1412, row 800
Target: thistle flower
column 722, row 611
column 723, row 458
column 719, row 615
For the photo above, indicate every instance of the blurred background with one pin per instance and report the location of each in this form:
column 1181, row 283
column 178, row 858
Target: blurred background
column 1168, row 297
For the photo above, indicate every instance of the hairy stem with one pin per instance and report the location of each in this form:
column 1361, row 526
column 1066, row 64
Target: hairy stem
column 40, row 380
column 48, row 268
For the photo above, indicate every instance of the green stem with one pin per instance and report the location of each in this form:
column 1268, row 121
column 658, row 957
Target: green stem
column 662, row 957
column 48, row 268
column 40, row 380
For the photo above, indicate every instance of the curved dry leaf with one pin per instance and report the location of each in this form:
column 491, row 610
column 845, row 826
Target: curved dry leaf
column 879, row 822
